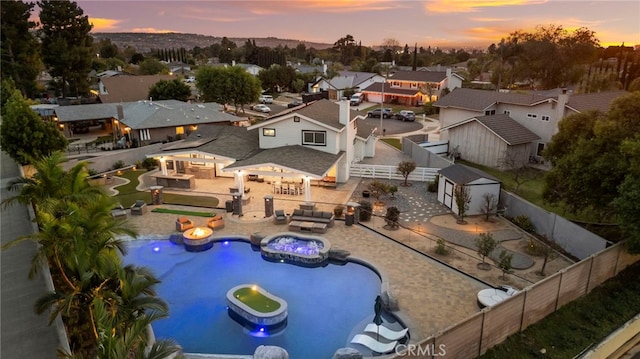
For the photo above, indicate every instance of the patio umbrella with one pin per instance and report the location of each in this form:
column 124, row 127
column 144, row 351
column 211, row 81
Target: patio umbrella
column 377, row 318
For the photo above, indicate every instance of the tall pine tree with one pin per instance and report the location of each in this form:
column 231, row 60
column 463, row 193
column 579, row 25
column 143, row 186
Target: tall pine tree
column 20, row 50
column 66, row 45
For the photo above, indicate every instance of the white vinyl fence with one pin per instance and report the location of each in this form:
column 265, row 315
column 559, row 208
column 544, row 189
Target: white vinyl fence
column 421, row 174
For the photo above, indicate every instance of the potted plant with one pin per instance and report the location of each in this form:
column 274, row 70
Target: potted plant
column 366, row 209
column 337, row 211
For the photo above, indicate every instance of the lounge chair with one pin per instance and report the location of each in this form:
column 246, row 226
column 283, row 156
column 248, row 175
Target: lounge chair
column 385, row 332
column 279, row 217
column 118, row 212
column 373, row 344
column 183, row 223
column 217, row 222
column 139, row 208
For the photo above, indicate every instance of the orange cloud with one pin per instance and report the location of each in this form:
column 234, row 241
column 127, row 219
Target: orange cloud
column 152, row 30
column 104, row 25
column 451, row 6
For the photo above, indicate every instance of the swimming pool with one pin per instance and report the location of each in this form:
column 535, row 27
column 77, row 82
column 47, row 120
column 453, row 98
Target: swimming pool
column 325, row 304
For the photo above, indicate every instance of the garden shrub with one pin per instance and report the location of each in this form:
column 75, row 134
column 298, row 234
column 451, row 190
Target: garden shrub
column 118, row 164
column 441, row 247
column 366, row 210
column 524, row 222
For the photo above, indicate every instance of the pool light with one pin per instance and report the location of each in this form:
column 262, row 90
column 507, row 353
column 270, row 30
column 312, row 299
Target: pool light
column 156, row 249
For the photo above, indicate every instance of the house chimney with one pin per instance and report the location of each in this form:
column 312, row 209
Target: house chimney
column 343, row 115
column 120, row 111
column 324, row 68
column 563, row 100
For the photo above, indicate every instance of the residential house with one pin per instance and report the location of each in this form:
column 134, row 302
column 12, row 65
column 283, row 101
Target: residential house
column 316, row 142
column 495, row 141
column 539, row 113
column 346, row 82
column 478, row 183
column 412, row 88
column 142, row 122
column 127, row 88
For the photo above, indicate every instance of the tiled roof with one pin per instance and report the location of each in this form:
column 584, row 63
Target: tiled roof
column 170, row 113
column 323, row 111
column 295, row 157
column 419, row 76
column 479, row 100
column 129, row 88
column 594, row 101
column 226, row 141
column 376, row 87
column 508, row 129
column 461, row 174
column 98, row 111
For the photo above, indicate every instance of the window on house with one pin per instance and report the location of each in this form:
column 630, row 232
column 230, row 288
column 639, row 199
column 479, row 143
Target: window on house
column 270, row 132
column 180, row 130
column 318, row 138
column 540, row 149
column 507, row 112
column 296, row 119
column 489, row 112
column 532, row 115
column 545, row 118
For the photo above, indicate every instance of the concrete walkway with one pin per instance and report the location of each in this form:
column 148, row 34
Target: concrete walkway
column 23, row 334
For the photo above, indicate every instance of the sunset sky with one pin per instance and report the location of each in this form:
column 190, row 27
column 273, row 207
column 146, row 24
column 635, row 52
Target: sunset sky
column 429, row 23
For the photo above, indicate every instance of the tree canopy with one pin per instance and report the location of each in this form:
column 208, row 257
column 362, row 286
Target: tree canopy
column 66, row 45
column 596, row 161
column 232, row 85
column 20, row 49
column 170, row 90
column 24, row 135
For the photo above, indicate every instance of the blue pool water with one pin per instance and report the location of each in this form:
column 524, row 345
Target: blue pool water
column 325, row 304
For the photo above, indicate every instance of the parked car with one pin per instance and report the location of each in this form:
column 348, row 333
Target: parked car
column 376, row 113
column 356, row 99
column 295, row 103
column 262, row 108
column 265, row 99
column 406, row 115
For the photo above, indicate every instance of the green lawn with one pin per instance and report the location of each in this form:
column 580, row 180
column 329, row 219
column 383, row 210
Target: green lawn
column 256, row 300
column 128, row 194
column 395, row 142
column 579, row 324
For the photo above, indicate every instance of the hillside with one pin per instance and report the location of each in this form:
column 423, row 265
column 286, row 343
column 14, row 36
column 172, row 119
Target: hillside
column 144, row 42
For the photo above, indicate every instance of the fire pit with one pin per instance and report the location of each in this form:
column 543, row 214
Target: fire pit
column 197, row 239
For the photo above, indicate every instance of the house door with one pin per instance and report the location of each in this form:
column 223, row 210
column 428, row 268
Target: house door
column 448, row 194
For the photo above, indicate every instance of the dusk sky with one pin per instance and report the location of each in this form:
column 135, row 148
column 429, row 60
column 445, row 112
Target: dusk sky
column 429, row 23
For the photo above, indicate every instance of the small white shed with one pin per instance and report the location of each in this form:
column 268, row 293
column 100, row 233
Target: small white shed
column 478, row 182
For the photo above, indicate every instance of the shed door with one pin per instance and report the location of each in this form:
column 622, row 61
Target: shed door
column 448, row 194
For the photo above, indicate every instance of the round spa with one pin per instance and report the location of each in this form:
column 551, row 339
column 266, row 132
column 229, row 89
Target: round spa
column 256, row 305
column 197, row 239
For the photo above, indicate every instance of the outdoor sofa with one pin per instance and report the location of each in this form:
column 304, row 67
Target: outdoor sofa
column 306, row 215
column 139, row 208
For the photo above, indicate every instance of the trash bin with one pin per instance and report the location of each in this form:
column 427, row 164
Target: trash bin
column 349, row 219
column 228, row 205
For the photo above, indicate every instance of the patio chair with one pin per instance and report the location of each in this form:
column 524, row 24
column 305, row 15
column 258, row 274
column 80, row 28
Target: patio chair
column 139, row 208
column 279, row 217
column 385, row 332
column 216, row 222
column 373, row 344
column 183, row 223
column 118, row 212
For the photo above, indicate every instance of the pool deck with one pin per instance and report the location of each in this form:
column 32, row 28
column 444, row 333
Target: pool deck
column 431, row 295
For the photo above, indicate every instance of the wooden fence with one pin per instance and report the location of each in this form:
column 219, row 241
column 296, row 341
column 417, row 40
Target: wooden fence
column 489, row 327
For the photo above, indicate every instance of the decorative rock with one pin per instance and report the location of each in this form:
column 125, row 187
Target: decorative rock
column 270, row 352
column 176, row 238
column 255, row 239
column 339, row 254
column 389, row 299
column 347, row 353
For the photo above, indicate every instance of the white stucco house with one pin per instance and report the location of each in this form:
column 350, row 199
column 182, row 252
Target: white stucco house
column 478, row 182
column 314, row 143
column 345, row 81
column 539, row 113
